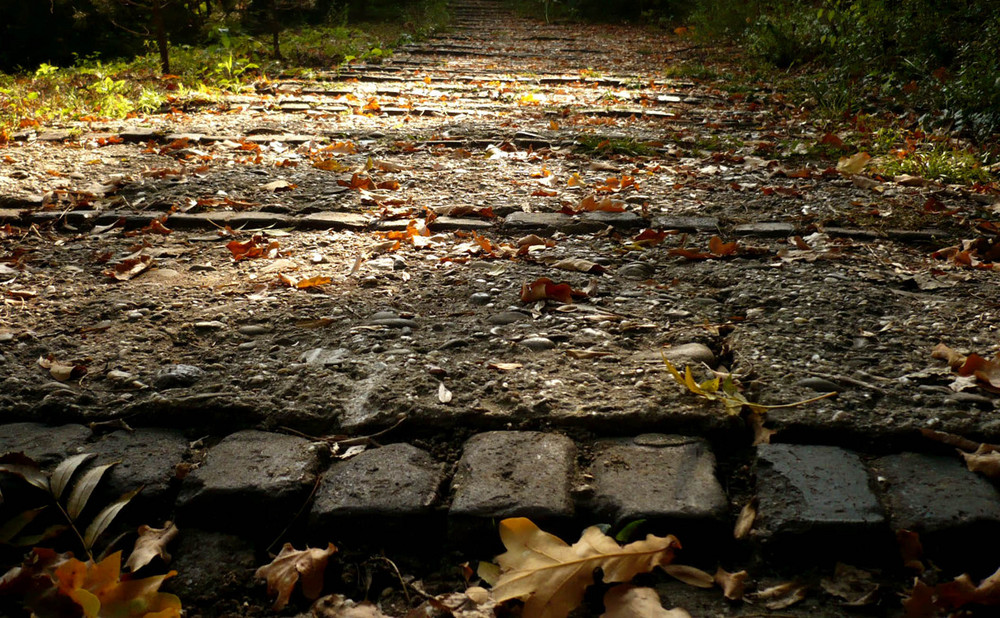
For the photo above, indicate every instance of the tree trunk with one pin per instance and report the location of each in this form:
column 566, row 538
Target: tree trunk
column 273, row 18
column 160, row 31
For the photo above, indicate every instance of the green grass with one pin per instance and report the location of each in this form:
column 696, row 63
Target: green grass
column 229, row 63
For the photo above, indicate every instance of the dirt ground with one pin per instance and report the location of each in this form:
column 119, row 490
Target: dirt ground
column 407, row 302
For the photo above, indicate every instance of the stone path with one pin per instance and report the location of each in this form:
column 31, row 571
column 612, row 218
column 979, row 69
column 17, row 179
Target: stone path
column 241, row 446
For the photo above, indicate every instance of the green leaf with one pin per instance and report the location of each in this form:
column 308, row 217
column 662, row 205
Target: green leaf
column 64, row 472
column 625, row 534
column 14, row 526
column 105, row 517
column 84, row 488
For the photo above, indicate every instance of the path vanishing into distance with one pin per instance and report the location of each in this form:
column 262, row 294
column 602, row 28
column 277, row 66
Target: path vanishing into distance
column 390, row 305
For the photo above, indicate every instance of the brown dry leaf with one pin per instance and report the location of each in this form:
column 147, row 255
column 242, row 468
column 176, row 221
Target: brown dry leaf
column 853, row 164
column 61, row 371
column 761, row 434
column 744, row 523
column 545, row 289
column 962, row 591
column 855, row 586
column 552, row 576
column 504, row 366
column 717, row 247
column 690, row 575
column 152, row 542
column 911, row 550
column 532, row 240
column 945, row 353
column 591, row 204
column 985, row 461
column 339, row 606
column 920, row 602
column 579, row 265
column 278, row 185
column 627, row 601
column 291, row 564
column 732, row 584
column 782, row 595
column 130, row 267
column 475, row 602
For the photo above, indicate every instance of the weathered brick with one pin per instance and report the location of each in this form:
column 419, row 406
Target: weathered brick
column 250, row 481
column 148, row 459
column 514, row 473
column 816, row 503
column 656, row 477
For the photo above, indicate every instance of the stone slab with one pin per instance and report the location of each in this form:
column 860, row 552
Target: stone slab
column 514, row 474
column 333, row 221
column 765, row 229
column 686, row 224
column 617, row 220
column 450, row 224
column 210, row 566
column 250, row 481
column 672, row 478
column 816, row 502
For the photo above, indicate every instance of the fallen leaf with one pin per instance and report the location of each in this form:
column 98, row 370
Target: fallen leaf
column 628, row 601
column 339, row 606
column 61, row 371
column 853, row 164
column 253, row 248
column 312, row 282
column 551, row 576
column 532, row 240
column 690, row 575
column 985, row 460
column 278, row 186
column 744, row 523
column 98, row 589
column 544, row 289
column 579, row 265
column 855, row 586
column 732, row 584
column 587, row 354
column 504, row 366
column 831, row 139
column 782, row 595
column 945, row 353
column 152, row 542
column 962, row 591
column 130, row 267
column 911, row 550
column 288, row 566
column 720, row 248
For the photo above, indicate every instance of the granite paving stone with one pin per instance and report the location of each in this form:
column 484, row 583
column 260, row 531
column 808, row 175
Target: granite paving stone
column 816, row 502
column 46, row 445
column 956, row 512
column 514, row 473
column 656, row 477
column 147, row 457
column 250, row 481
column 396, row 480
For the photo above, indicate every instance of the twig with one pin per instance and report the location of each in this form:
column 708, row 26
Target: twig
column 845, row 380
column 298, row 513
column 399, row 575
column 958, row 442
column 346, row 441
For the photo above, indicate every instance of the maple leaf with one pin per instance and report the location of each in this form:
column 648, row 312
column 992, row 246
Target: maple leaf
column 552, row 576
column 291, row 564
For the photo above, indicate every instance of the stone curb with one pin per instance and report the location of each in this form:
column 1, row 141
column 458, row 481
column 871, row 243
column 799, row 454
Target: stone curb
column 816, row 503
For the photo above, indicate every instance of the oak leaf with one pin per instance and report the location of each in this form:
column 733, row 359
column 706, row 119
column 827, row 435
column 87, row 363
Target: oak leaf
column 627, row 601
column 690, row 575
column 551, row 576
column 291, row 564
column 732, row 584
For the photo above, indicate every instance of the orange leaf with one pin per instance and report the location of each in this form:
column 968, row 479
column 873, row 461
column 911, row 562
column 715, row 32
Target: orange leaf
column 312, row 282
column 99, row 591
column 544, row 289
column 716, row 246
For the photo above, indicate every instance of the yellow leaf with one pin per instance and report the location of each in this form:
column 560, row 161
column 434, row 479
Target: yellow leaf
column 97, row 588
column 553, row 125
column 853, row 164
column 551, row 576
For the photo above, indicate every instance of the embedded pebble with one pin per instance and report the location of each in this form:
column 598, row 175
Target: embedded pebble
column 636, row 270
column 507, row 317
column 5, row 337
column 480, row 298
column 133, row 315
column 819, row 385
column 253, row 330
column 538, row 344
column 117, row 375
column 394, row 323
column 384, row 315
column 177, row 376
column 689, row 354
column 210, row 325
